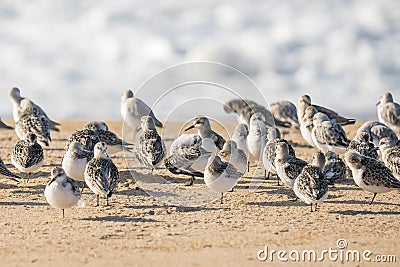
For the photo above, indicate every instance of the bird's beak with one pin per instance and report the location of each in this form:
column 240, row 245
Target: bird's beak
column 188, row 128
column 5, row 126
column 377, row 103
column 139, row 129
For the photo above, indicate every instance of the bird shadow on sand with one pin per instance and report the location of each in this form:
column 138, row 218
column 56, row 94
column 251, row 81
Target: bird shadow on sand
column 361, row 202
column 287, row 203
column 365, row 212
column 118, row 219
column 24, row 203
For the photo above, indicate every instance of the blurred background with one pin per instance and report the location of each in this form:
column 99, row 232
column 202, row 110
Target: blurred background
column 75, row 57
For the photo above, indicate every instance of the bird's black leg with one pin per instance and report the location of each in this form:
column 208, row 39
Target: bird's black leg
column 265, row 174
column 373, row 198
column 191, row 181
column 311, row 207
column 222, row 197
column 97, row 200
column 106, row 200
column 63, row 213
column 248, row 166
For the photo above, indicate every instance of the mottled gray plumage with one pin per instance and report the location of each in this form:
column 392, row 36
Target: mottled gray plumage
column 377, row 131
column 389, row 111
column 27, row 155
column 86, row 137
column 362, row 144
column 311, row 186
column 287, row 167
column 328, row 135
column 371, row 174
column 390, row 155
column 101, row 175
column 334, row 169
column 230, row 153
column 305, row 101
column 4, row 172
column 150, row 150
column 204, row 130
column 285, row 111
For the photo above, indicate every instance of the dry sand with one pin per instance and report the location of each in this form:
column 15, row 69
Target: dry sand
column 138, row 230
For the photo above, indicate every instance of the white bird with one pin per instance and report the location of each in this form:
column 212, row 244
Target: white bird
column 257, row 138
column 306, row 124
column 202, row 124
column 27, row 155
column 31, row 121
column 377, row 131
column 328, row 135
column 150, row 150
column 230, row 153
column 75, row 160
column 334, row 169
column 305, row 101
column 62, row 192
column 220, row 176
column 371, row 174
column 285, row 111
column 188, row 157
column 287, row 167
column 311, row 186
column 133, row 109
column 389, row 111
column 5, row 126
column 240, row 137
column 6, row 173
column 269, row 153
column 16, row 98
column 101, row 175
column 114, row 144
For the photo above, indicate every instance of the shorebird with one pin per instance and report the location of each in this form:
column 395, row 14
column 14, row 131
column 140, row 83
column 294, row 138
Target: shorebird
column 306, row 124
column 220, row 176
column 5, row 126
column 188, row 157
column 202, row 124
column 285, row 111
column 311, row 186
column 114, row 144
column 101, row 175
column 86, row 137
column 257, row 138
column 75, row 160
column 287, row 167
column 132, row 111
column 389, row 111
column 150, row 150
column 230, row 153
column 377, row 131
column 16, row 98
column 328, row 135
column 62, row 192
column 390, row 155
column 305, row 101
column 240, row 137
column 371, row 174
column 334, row 169
column 6, row 173
column 362, row 144
column 245, row 108
column 269, row 153
column 27, row 155
column 31, row 121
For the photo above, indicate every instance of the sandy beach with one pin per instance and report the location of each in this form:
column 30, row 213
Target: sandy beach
column 138, row 230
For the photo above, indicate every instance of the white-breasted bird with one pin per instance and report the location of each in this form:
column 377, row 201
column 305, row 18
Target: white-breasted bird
column 202, row 124
column 306, row 124
column 389, row 111
column 61, row 192
column 311, row 186
column 16, row 98
column 132, row 111
column 371, row 174
column 257, row 138
column 75, row 160
column 328, row 135
column 377, row 131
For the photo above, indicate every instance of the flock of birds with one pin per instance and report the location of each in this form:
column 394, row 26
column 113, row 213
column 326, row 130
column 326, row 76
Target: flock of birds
column 208, row 155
